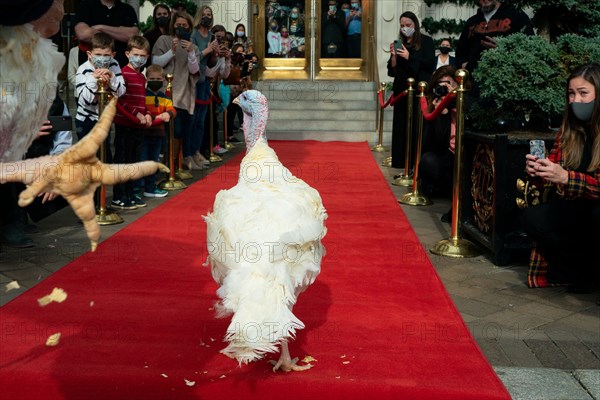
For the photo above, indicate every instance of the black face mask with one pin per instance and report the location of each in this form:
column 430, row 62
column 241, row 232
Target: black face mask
column 182, row 33
column 162, row 21
column 444, row 50
column 155, row 86
column 206, row 21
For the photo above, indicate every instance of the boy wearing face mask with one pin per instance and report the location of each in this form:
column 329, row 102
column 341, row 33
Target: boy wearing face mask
column 131, row 118
column 161, row 108
column 100, row 65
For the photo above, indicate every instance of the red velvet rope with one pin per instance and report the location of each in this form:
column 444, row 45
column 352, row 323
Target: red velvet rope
column 208, row 101
column 429, row 116
column 132, row 118
column 392, row 100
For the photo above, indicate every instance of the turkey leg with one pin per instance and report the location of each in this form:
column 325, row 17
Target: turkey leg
column 286, row 363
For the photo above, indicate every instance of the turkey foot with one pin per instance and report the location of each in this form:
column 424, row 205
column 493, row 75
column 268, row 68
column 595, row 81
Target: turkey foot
column 286, row 363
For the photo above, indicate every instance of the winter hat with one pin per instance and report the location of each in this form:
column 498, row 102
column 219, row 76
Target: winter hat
column 19, row 12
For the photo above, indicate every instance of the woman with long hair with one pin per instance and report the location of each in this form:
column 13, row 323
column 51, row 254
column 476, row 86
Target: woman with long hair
column 209, row 48
column 565, row 228
column 241, row 36
column 411, row 56
column 161, row 16
column 179, row 56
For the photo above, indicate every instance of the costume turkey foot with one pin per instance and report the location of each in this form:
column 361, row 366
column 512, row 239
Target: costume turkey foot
column 76, row 173
column 287, row 363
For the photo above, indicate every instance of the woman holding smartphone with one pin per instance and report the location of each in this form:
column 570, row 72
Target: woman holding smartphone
column 411, row 56
column 179, row 56
column 565, row 229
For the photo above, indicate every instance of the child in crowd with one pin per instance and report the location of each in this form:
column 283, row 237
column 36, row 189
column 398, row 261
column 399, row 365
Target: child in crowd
column 161, row 108
column 274, row 39
column 131, row 119
column 286, row 41
column 100, row 65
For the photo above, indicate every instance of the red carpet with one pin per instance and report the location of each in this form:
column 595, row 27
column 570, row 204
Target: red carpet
column 138, row 321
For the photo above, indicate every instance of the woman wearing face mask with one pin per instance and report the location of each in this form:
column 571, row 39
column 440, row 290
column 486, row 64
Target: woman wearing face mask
column 179, row 56
column 209, row 50
column 161, row 17
column 444, row 57
column 240, row 37
column 565, row 228
column 411, row 56
column 296, row 31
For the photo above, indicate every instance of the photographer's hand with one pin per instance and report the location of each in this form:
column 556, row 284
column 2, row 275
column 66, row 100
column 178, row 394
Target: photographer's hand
column 187, row 46
column 550, row 171
column 46, row 129
column 174, row 44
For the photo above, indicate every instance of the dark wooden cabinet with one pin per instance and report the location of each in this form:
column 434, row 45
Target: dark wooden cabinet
column 489, row 213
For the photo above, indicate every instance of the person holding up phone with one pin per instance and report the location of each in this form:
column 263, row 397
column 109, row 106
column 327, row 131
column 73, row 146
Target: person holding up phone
column 565, row 228
column 411, row 56
column 177, row 55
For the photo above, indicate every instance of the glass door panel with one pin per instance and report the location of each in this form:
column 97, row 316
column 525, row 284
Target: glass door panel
column 311, row 39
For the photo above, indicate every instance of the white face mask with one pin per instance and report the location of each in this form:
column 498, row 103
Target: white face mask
column 406, row 31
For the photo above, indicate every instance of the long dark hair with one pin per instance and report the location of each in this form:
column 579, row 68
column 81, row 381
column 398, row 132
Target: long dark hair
column 156, row 7
column 245, row 37
column 416, row 42
column 573, row 130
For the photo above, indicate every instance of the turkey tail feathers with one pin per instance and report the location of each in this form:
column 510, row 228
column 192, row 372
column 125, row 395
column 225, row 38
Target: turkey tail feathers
column 262, row 316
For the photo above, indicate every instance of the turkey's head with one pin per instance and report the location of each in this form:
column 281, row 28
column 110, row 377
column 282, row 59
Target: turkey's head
column 256, row 113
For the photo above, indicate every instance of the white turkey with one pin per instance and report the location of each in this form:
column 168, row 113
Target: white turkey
column 264, row 242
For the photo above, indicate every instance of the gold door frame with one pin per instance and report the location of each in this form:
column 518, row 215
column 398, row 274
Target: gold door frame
column 313, row 66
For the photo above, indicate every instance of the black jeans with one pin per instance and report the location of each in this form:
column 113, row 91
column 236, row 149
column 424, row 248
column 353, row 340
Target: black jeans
column 127, row 150
column 568, row 231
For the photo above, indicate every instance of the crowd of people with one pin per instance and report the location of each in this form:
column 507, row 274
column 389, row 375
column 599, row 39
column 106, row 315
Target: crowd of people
column 208, row 63
column 199, row 55
column 340, row 29
column 570, row 173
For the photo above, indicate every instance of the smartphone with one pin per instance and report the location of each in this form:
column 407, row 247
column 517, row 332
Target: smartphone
column 398, row 45
column 537, row 148
column 61, row 123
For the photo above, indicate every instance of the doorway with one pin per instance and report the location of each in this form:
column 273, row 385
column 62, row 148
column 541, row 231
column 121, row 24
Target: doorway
column 313, row 39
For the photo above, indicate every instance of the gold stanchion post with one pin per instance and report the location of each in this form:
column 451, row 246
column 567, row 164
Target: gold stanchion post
column 228, row 145
column 387, row 162
column 171, row 183
column 416, row 198
column 104, row 216
column 455, row 246
column 213, row 156
column 406, row 179
column 379, row 147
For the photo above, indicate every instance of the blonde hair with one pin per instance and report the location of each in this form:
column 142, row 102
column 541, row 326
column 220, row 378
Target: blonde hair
column 199, row 15
column 138, row 42
column 154, row 68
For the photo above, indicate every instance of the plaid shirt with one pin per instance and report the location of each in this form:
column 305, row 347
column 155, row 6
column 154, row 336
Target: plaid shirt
column 579, row 186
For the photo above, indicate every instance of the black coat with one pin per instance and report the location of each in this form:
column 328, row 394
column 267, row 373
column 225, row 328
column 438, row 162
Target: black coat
column 419, row 65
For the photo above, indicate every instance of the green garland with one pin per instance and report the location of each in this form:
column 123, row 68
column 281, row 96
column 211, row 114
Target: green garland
column 443, row 25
